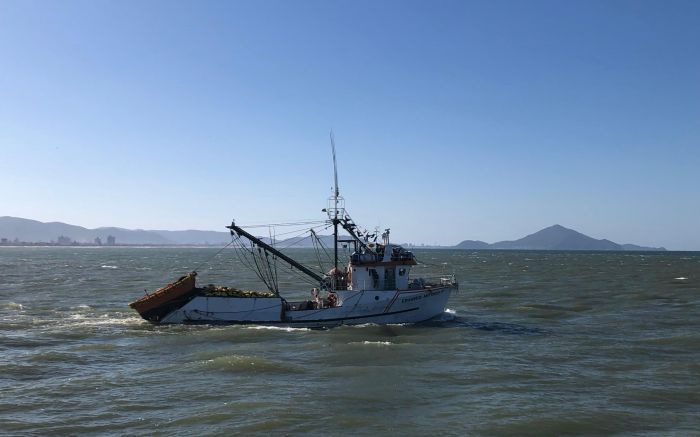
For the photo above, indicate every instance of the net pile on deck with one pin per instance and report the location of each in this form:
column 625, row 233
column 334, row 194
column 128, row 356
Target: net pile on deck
column 220, row 291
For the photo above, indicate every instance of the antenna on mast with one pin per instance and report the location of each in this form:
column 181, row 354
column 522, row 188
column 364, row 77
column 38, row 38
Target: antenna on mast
column 335, row 166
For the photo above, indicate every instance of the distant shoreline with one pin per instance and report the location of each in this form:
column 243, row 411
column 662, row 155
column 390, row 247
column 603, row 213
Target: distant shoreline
column 24, row 244
column 29, row 244
column 17, row 231
column 218, row 246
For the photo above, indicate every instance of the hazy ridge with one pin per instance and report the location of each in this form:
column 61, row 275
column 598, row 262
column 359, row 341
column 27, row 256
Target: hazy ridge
column 32, row 231
column 555, row 237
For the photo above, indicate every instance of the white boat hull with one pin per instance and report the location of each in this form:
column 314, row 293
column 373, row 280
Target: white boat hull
column 354, row 307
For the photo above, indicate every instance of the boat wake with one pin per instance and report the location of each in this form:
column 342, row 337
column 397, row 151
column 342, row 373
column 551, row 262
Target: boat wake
column 102, row 320
column 277, row 328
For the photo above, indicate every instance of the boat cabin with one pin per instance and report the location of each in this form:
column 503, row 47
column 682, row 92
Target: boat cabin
column 385, row 268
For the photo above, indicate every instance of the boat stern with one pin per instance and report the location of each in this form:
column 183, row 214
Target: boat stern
column 155, row 306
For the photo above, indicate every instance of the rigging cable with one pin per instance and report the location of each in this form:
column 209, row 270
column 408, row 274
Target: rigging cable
column 212, row 257
column 248, row 262
column 266, row 272
column 273, row 238
column 298, row 223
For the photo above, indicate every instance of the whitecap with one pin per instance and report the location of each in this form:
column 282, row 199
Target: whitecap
column 682, row 278
column 94, row 320
column 277, row 328
column 109, row 267
column 12, row 306
column 378, row 343
column 107, row 320
column 245, row 363
column 360, row 325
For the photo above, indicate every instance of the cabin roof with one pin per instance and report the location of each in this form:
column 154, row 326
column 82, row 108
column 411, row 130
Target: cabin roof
column 406, row 262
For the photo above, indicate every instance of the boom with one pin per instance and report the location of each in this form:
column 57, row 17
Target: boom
column 237, row 230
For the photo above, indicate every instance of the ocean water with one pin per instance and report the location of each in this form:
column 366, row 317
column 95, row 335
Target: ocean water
column 534, row 343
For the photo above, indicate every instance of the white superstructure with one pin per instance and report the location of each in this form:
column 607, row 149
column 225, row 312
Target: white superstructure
column 374, row 288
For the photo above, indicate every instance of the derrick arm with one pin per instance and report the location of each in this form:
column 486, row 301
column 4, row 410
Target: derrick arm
column 237, row 230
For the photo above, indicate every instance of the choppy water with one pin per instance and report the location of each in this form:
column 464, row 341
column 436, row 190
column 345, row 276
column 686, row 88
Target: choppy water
column 535, row 343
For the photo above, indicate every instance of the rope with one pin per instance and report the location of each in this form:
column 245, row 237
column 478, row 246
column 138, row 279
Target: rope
column 299, row 223
column 258, row 259
column 304, row 229
column 213, row 256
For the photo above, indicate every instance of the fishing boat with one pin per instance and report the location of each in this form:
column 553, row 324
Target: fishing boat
column 374, row 286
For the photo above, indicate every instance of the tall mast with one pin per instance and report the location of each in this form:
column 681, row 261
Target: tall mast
column 336, row 193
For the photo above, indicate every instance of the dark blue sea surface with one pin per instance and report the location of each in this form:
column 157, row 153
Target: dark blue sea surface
column 534, row 343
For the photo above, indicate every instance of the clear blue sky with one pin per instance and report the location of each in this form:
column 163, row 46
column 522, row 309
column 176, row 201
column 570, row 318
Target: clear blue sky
column 453, row 120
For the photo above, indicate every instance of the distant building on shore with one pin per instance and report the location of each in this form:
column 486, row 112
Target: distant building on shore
column 98, row 241
column 111, row 240
column 64, row 241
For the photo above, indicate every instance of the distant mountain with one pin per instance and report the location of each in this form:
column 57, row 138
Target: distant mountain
column 32, row 231
column 552, row 238
column 473, row 244
column 35, row 231
column 555, row 237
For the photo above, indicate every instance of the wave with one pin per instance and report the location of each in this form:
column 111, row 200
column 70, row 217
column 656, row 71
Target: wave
column 373, row 325
column 373, row 343
column 109, row 267
column 684, row 341
column 462, row 322
column 246, row 363
column 11, row 306
column 82, row 319
column 57, row 357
